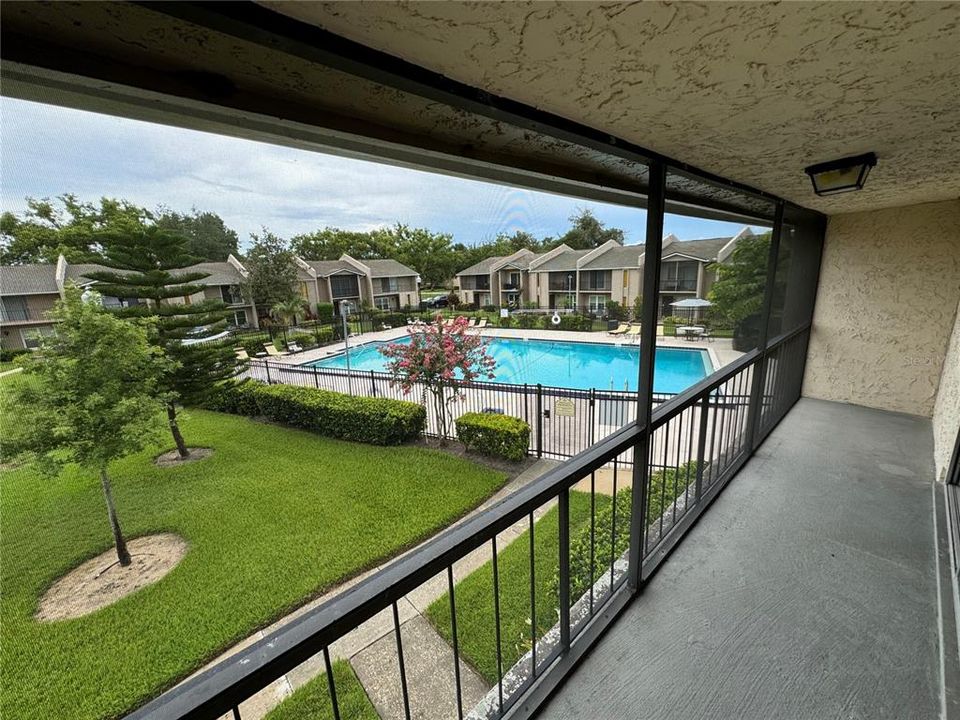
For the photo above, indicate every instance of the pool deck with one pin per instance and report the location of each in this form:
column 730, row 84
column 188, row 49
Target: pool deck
column 721, row 349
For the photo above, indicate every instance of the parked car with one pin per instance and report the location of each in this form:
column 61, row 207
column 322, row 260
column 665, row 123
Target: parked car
column 440, row 301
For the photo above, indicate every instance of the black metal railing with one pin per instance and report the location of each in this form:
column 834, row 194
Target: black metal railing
column 678, row 284
column 21, row 314
column 563, row 421
column 697, row 441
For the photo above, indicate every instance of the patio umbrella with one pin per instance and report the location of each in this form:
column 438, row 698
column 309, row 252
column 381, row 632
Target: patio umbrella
column 691, row 305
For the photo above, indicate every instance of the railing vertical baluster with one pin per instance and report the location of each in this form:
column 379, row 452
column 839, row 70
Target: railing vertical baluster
column 496, row 615
column 593, row 523
column 331, row 684
column 563, row 509
column 702, row 445
column 236, row 712
column 539, row 420
column 456, row 642
column 613, row 524
column 316, row 377
column 403, row 668
column 266, row 364
column 373, row 383
column 533, row 602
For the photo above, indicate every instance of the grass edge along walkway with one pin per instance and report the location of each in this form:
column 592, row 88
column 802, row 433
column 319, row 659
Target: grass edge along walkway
column 474, row 594
column 311, row 701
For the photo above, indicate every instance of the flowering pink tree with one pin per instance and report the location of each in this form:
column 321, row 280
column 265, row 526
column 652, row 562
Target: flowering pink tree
column 436, row 357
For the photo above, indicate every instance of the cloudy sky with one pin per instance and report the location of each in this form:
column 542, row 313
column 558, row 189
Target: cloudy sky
column 48, row 151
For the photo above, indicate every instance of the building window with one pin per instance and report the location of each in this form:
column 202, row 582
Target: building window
column 230, row 294
column 596, row 303
column 389, row 285
column 385, row 302
column 240, row 318
column 344, row 286
column 304, row 291
column 32, row 337
column 14, row 309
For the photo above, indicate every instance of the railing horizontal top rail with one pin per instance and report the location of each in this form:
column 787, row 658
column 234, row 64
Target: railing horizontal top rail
column 215, row 691
column 675, row 405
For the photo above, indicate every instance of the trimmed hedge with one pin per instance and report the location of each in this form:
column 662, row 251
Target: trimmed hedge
column 493, row 434
column 376, row 421
column 10, row 355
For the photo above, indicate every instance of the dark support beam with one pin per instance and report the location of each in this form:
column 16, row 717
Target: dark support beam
column 648, row 346
column 760, row 371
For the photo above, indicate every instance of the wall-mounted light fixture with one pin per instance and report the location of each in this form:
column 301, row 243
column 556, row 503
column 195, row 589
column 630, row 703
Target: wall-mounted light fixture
column 838, row 176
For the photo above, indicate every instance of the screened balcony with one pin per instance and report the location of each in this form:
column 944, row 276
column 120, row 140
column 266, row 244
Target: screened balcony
column 785, row 549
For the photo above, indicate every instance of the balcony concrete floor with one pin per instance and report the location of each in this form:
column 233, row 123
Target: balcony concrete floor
column 808, row 590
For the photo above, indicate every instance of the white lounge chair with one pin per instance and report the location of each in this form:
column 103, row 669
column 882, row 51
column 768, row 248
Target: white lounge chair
column 482, row 323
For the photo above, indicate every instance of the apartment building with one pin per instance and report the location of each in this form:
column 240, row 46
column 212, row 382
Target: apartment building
column 383, row 284
column 29, row 292
column 588, row 279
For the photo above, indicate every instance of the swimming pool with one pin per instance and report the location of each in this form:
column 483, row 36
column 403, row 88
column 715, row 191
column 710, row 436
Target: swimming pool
column 575, row 365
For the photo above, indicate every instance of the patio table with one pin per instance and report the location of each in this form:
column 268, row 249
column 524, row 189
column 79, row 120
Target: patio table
column 690, row 332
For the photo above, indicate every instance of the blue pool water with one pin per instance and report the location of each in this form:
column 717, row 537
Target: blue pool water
column 565, row 364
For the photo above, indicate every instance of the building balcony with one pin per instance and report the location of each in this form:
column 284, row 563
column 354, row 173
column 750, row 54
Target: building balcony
column 672, row 285
column 23, row 316
column 789, row 613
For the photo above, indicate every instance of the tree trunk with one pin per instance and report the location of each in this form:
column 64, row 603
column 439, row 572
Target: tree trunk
column 123, row 554
column 175, row 431
column 441, row 413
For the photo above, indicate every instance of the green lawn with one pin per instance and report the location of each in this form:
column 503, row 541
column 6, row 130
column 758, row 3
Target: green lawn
column 474, row 594
column 312, row 700
column 273, row 518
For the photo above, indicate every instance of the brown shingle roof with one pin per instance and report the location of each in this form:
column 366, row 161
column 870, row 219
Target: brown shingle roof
column 28, row 279
column 388, row 268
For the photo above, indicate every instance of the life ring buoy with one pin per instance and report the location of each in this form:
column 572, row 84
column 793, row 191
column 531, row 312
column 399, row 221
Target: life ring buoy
column 555, row 319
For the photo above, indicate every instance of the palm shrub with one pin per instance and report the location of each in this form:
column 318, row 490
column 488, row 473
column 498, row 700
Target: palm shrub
column 288, row 311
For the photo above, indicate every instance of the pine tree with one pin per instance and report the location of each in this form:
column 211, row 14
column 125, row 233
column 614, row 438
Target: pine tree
column 152, row 265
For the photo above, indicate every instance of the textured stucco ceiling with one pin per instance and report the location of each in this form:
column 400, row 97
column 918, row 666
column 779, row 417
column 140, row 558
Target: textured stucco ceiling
column 752, row 91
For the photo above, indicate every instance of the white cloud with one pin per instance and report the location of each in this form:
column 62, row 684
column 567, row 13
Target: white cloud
column 48, row 151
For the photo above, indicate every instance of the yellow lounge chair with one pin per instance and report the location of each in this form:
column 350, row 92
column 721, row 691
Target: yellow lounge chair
column 241, row 353
column 482, row 323
column 634, row 332
column 272, row 350
column 620, row 330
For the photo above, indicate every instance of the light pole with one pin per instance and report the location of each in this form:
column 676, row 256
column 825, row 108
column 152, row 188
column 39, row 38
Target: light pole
column 344, row 311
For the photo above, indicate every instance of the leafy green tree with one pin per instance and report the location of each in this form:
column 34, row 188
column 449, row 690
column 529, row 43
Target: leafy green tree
column 64, row 226
column 429, row 253
column 330, row 243
column 588, row 232
column 738, row 290
column 207, row 235
column 288, row 311
column 272, row 275
column 91, row 395
column 151, row 265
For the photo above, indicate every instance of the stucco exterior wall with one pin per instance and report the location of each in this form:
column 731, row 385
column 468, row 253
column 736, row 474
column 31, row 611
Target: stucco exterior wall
column 946, row 410
column 889, row 288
